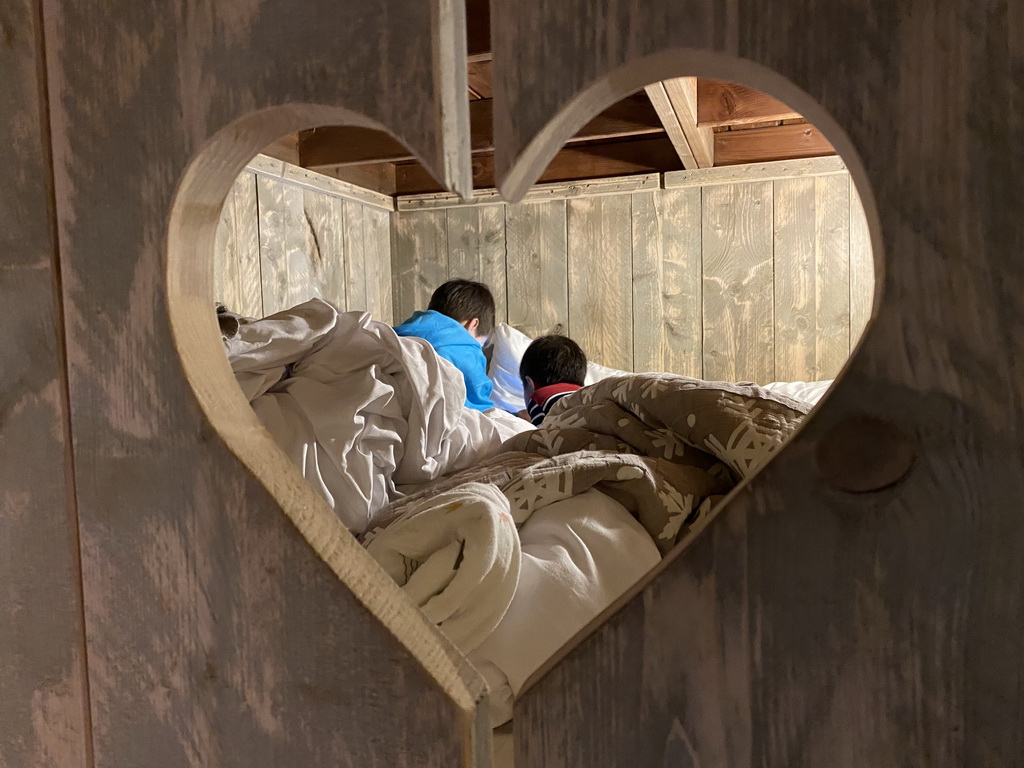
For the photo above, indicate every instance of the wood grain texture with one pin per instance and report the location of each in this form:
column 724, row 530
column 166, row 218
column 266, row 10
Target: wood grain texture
column 538, row 267
column 739, row 332
column 356, row 256
column 600, row 278
column 230, row 619
column 238, row 283
column 419, row 259
column 325, row 245
column 720, row 103
column 682, row 270
column 862, row 269
column 804, row 626
column 780, row 142
column 377, row 236
column 476, row 249
column 43, row 690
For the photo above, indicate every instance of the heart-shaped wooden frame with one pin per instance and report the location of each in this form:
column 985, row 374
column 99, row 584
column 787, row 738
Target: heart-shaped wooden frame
column 806, row 625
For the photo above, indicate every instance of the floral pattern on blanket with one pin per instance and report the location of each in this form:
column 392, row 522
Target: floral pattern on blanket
column 696, row 440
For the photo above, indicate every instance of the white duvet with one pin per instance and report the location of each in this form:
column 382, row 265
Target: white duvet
column 358, row 409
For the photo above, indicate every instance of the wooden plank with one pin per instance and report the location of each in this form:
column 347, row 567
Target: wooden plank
column 476, row 249
column 862, row 269
column 376, row 177
column 796, row 299
column 722, row 103
column 738, row 294
column 338, row 146
column 805, row 625
column 377, row 237
column 538, row 259
column 541, row 192
column 682, row 93
column 648, row 281
column 325, row 244
column 285, row 266
column 478, row 73
column 419, row 259
column 589, row 161
column 43, row 689
column 285, row 148
column 600, row 285
column 780, row 169
column 262, row 165
column 356, row 257
column 832, row 268
column 229, row 615
column 781, row 142
column 237, row 276
column 670, row 120
column 680, row 214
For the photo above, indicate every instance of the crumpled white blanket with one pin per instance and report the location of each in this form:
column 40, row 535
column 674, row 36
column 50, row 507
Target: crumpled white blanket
column 457, row 556
column 357, row 408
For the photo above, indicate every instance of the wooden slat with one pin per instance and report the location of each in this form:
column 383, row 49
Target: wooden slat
column 377, row 237
column 537, row 275
column 572, row 163
column 229, row 616
column 781, row 169
column 667, row 334
column 832, row 251
column 263, row 165
column 738, row 291
column 862, row 269
column 338, row 146
column 237, row 250
column 285, row 148
column 325, row 245
column 600, row 278
column 479, row 75
column 781, row 142
column 795, row 280
column 540, row 192
column 721, row 103
column 670, row 120
column 812, row 277
column 476, row 249
column 44, row 700
column 356, row 256
column 419, row 259
column 376, row 177
column 682, row 93
column 284, row 264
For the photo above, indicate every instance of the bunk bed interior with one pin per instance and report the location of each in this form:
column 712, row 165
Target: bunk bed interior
column 754, row 270
column 176, row 592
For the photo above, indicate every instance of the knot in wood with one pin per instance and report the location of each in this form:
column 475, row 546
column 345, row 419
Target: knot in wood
column 863, row 454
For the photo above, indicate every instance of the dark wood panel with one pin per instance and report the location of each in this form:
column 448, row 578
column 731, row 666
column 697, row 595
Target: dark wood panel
column 230, row 618
column 805, row 625
column 43, row 691
column 782, row 142
column 721, row 103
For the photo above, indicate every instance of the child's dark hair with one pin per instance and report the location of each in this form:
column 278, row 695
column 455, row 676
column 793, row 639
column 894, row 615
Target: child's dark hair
column 554, row 360
column 463, row 300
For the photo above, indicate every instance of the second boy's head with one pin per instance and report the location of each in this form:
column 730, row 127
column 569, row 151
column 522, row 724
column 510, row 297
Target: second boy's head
column 469, row 304
column 552, row 360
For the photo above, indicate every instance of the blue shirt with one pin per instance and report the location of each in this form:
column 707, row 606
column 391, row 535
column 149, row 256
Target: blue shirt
column 456, row 345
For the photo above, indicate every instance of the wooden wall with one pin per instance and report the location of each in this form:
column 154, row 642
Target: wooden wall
column 758, row 273
column 287, row 235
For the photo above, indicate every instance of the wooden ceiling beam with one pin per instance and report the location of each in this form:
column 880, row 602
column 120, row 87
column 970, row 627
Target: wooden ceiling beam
column 676, row 104
column 720, row 103
column 345, row 145
column 573, row 163
column 781, row 142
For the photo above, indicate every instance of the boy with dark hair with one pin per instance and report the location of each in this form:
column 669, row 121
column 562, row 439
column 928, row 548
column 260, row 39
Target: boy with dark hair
column 457, row 323
column 552, row 367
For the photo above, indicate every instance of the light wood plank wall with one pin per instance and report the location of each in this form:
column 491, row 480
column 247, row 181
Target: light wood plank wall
column 757, row 273
column 287, row 235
